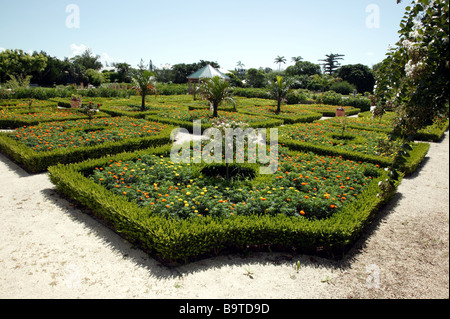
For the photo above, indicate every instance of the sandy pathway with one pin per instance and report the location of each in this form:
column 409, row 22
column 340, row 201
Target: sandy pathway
column 50, row 249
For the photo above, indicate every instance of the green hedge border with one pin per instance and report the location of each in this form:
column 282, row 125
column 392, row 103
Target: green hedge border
column 38, row 162
column 417, row 155
column 136, row 115
column 180, row 241
column 16, row 123
column 311, row 117
column 433, row 136
column 270, row 123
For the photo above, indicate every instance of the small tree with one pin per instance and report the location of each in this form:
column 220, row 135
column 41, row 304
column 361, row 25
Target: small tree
column 90, row 109
column 279, row 90
column 215, row 91
column 332, row 62
column 144, row 82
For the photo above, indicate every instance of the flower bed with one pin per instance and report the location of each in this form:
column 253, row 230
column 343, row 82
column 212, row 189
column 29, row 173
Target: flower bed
column 179, row 213
column 289, row 114
column 184, row 118
column 352, row 143
column 10, row 119
column 25, row 103
column 37, row 147
column 366, row 121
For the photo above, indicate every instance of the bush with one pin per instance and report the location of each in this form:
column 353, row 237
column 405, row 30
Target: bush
column 330, row 98
column 251, row 93
column 361, row 103
column 343, row 88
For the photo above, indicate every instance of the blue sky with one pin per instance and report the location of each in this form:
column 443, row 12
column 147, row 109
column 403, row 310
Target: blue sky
column 174, row 31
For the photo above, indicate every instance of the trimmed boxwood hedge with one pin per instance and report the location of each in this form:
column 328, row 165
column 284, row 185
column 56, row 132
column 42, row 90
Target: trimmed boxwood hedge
column 190, row 125
column 13, row 123
column 429, row 134
column 137, row 115
column 311, row 117
column 37, row 162
column 417, row 155
column 174, row 241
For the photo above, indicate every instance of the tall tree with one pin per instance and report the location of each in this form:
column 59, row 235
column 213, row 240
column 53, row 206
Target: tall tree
column 88, row 61
column 331, row 62
column 256, row 78
column 20, row 64
column 123, row 72
column 296, row 59
column 279, row 60
column 303, row 68
column 359, row 75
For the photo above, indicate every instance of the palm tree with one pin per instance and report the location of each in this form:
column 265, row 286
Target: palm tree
column 279, row 90
column 279, row 60
column 215, row 91
column 240, row 65
column 296, row 59
column 144, row 82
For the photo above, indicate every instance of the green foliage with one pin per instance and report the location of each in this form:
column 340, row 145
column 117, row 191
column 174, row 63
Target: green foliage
column 279, row 90
column 414, row 79
column 173, row 241
column 342, row 87
column 215, row 91
column 256, row 78
column 144, row 83
column 332, row 63
column 36, row 161
column 20, row 64
column 359, row 75
column 95, row 77
column 330, row 98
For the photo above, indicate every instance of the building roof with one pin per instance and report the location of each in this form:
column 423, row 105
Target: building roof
column 207, row 72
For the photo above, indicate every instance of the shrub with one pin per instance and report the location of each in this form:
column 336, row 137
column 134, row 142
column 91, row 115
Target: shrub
column 330, row 98
column 343, row 88
column 361, row 103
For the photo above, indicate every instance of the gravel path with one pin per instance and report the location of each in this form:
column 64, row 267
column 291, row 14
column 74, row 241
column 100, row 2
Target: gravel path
column 51, row 249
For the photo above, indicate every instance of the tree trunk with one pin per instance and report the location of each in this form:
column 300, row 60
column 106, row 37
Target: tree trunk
column 215, row 107
column 278, row 106
column 143, row 103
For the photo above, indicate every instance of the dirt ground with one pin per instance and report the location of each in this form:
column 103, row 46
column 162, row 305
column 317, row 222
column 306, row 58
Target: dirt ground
column 51, row 249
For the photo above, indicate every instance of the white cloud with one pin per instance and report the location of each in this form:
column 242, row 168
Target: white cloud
column 106, row 59
column 2, row 49
column 78, row 49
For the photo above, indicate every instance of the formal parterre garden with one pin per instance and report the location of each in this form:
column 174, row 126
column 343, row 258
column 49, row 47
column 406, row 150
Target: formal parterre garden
column 323, row 193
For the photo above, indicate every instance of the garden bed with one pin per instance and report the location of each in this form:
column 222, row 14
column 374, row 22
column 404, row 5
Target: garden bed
column 184, row 118
column 328, row 110
column 355, row 144
column 177, row 213
column 289, row 114
column 11, row 119
column 432, row 133
column 37, row 147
